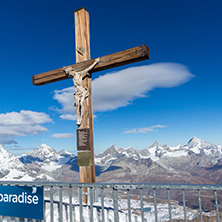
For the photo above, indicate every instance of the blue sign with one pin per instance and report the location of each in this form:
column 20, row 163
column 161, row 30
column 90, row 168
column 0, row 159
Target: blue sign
column 21, row 201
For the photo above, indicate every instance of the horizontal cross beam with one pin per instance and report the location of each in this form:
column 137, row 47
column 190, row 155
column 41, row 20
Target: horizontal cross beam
column 132, row 55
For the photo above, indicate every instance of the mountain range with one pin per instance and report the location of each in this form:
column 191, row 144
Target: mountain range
column 197, row 162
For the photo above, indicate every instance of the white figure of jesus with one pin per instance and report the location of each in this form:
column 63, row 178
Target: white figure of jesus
column 81, row 92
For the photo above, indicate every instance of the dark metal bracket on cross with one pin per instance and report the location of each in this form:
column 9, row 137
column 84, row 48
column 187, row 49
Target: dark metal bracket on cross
column 83, row 60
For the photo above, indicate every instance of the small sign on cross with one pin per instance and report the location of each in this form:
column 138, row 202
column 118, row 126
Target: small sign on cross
column 83, row 139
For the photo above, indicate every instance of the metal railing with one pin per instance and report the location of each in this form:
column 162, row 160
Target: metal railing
column 127, row 202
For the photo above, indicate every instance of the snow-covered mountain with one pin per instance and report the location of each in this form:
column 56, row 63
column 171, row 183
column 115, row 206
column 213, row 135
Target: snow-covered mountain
column 46, row 158
column 11, row 168
column 196, row 162
column 157, row 152
column 199, row 146
column 32, row 166
column 42, row 153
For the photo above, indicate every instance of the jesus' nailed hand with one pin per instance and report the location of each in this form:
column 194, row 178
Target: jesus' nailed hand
column 81, row 92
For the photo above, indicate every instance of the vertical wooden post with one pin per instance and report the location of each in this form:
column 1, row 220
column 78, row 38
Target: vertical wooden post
column 82, row 42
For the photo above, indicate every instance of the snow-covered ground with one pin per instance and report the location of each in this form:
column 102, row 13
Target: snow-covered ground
column 17, row 175
column 53, row 165
column 177, row 211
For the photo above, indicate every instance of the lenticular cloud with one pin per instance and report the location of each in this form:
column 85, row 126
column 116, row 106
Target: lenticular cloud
column 119, row 89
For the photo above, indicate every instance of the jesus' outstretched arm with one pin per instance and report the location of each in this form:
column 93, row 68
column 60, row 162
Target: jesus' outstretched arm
column 85, row 71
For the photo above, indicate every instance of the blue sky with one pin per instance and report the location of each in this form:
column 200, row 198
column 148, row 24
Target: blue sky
column 170, row 98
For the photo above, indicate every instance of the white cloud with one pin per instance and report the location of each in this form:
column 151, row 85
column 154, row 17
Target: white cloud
column 145, row 130
column 25, row 122
column 119, row 89
column 18, row 131
column 24, row 117
column 63, row 135
column 66, row 99
column 131, row 131
column 69, row 117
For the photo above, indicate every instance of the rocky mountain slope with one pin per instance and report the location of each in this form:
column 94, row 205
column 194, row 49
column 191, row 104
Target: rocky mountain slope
column 47, row 163
column 162, row 164
column 11, row 168
column 196, row 162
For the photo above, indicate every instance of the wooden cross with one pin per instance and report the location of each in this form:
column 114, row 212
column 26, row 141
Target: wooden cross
column 83, row 60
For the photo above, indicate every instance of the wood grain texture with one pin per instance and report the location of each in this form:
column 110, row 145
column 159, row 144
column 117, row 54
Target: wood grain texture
column 82, row 34
column 82, row 40
column 128, row 56
column 85, row 177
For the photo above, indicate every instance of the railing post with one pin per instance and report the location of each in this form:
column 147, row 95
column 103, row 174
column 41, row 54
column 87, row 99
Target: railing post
column 200, row 207
column 184, row 206
column 60, row 205
column 70, row 203
column 155, row 205
column 80, row 205
column 91, row 203
column 102, row 203
column 115, row 204
column 216, row 203
column 128, row 203
column 51, row 204
column 141, row 204
column 169, row 205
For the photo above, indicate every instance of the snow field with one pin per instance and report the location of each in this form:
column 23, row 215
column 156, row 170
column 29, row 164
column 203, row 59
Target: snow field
column 177, row 211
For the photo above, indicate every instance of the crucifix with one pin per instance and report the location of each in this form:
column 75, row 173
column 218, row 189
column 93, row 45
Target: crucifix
column 81, row 74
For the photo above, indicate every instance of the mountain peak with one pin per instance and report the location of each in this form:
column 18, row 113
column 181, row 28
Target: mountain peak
column 5, row 153
column 155, row 144
column 41, row 153
column 110, row 152
column 112, row 149
column 45, row 146
column 61, row 152
column 195, row 139
column 200, row 146
column 65, row 153
column 195, row 142
column 11, row 167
